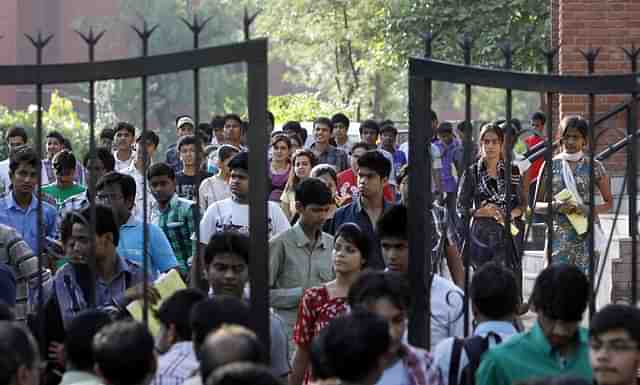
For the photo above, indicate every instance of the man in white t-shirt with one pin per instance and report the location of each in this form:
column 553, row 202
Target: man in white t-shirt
column 233, row 213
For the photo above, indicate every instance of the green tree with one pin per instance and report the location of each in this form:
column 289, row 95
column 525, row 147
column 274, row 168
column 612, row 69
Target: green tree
column 60, row 116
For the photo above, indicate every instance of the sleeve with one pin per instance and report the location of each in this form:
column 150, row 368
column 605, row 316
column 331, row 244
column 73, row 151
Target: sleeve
column 280, row 298
column 207, row 225
column 285, row 201
column 280, row 222
column 303, row 329
column 279, row 347
column 465, row 191
column 436, row 157
column 599, row 170
column 162, row 254
column 190, row 222
column 203, row 197
column 456, row 313
column 490, row 371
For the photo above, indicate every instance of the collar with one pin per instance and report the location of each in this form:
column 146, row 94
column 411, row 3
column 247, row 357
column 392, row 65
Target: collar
column 498, row 327
column 11, row 202
column 357, row 205
column 301, row 239
column 541, row 341
column 132, row 221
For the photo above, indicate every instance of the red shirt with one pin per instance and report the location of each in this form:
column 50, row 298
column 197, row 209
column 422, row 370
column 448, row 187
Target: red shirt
column 534, row 170
column 348, row 187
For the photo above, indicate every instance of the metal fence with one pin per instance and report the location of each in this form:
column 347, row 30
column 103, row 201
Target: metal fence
column 423, row 71
column 251, row 52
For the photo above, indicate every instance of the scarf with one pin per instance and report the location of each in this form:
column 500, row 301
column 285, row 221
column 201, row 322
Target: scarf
column 600, row 242
column 497, row 193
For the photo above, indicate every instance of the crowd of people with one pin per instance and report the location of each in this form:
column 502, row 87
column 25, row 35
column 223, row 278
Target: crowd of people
column 338, row 255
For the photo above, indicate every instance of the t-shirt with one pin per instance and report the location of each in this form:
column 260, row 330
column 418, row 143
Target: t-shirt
column 230, row 215
column 186, row 185
column 534, row 169
column 56, row 195
column 348, row 187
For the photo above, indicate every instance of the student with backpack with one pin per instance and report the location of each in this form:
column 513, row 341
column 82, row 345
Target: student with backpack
column 494, row 298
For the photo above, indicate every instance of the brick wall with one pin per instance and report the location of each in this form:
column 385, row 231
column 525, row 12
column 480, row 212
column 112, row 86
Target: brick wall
column 605, row 24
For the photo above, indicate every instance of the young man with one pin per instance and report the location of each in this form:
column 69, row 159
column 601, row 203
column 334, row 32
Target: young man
column 54, row 143
column 388, row 295
column 325, row 152
column 227, row 345
column 556, row 345
column 226, row 260
column 494, row 302
column 16, row 136
column 64, row 164
column 301, row 257
column 78, row 347
column 178, row 359
column 233, row 213
column 118, row 281
column 355, row 348
column 447, row 145
column 614, row 337
column 388, row 142
column 119, row 191
column 216, row 187
column 233, row 130
column 188, row 180
column 19, row 355
column 125, row 355
column 184, row 126
column 176, row 216
column 369, row 133
column 137, row 171
column 347, row 188
column 436, row 162
column 341, row 132
column 447, row 300
column 538, row 121
column 217, row 126
column 293, row 128
column 373, row 173
column 18, row 209
column 125, row 134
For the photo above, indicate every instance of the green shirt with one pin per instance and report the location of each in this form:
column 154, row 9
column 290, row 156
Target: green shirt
column 528, row 356
column 57, row 195
column 177, row 222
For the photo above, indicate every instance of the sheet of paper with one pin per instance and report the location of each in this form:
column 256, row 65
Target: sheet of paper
column 166, row 284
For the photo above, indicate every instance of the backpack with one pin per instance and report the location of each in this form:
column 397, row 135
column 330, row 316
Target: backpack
column 474, row 346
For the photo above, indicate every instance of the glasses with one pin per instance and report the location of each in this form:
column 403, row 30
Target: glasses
column 617, row 346
column 101, row 197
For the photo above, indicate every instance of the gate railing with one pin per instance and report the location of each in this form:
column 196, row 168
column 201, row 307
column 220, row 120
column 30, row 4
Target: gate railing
column 423, row 71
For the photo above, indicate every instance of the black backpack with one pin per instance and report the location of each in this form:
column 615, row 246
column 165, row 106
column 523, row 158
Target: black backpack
column 474, row 347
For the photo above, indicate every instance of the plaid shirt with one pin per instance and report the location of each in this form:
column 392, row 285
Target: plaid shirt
column 420, row 366
column 333, row 156
column 177, row 222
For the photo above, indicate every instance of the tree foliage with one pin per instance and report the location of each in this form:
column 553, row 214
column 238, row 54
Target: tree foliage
column 355, row 52
column 60, row 116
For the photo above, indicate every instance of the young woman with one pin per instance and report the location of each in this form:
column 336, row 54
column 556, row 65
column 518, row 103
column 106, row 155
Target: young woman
column 570, row 171
column 482, row 190
column 303, row 161
column 327, row 174
column 321, row 304
column 280, row 165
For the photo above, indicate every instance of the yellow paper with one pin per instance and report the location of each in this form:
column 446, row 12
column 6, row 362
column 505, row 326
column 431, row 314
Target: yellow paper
column 579, row 222
column 166, row 284
column 514, row 230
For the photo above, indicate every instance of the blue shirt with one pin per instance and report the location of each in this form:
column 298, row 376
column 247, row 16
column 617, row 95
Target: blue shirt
column 25, row 221
column 130, row 245
column 354, row 212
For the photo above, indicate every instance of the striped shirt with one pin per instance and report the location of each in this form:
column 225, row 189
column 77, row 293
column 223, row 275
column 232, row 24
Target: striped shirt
column 176, row 365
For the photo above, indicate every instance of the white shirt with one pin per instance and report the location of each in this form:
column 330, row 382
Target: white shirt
column 213, row 189
column 447, row 305
column 176, row 365
column 230, row 215
column 442, row 353
column 122, row 165
column 137, row 210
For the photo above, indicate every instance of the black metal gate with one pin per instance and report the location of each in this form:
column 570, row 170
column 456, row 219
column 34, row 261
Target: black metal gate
column 423, row 71
column 251, row 52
